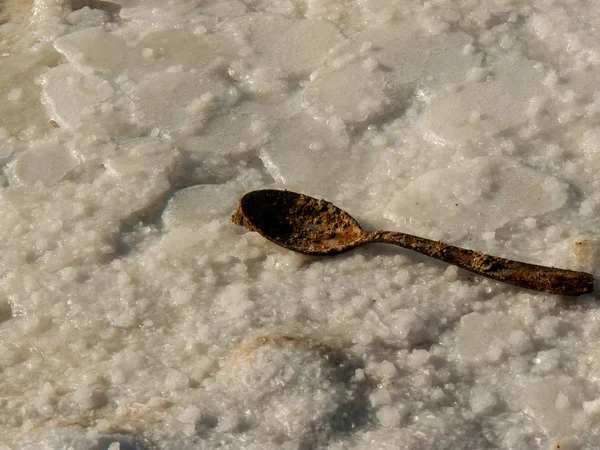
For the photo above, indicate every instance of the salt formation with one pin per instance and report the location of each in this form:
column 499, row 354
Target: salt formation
column 304, row 147
column 133, row 314
column 444, row 198
column 487, row 104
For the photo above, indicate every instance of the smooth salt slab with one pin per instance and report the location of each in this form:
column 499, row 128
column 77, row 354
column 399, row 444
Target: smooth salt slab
column 413, row 55
column 177, row 102
column 173, row 47
column 141, row 157
column 90, row 101
column 197, row 205
column 304, row 151
column 479, row 194
column 142, row 170
column 45, row 161
column 229, row 134
column 99, row 50
column 301, row 45
column 485, row 106
column 357, row 92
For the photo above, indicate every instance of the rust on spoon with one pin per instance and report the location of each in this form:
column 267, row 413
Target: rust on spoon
column 316, row 227
column 300, row 223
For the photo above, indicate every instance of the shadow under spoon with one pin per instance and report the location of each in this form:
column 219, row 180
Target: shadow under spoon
column 316, row 227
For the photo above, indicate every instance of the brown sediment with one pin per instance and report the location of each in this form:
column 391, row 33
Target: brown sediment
column 317, row 227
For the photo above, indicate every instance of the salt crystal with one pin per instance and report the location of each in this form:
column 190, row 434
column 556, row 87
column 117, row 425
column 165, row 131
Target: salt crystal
column 562, row 401
column 482, row 401
column 388, row 416
column 14, row 94
column 380, row 397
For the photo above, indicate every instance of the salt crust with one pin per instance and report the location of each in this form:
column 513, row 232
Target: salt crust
column 134, row 315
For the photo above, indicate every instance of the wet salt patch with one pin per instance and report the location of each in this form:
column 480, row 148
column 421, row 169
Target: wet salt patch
column 480, row 194
column 581, row 253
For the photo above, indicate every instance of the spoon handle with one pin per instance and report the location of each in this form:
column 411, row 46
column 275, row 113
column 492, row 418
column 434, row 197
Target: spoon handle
column 530, row 276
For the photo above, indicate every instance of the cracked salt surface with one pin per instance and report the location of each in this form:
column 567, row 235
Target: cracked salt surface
column 134, row 315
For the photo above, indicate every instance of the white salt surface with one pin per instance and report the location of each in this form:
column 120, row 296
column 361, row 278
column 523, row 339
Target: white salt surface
column 135, row 315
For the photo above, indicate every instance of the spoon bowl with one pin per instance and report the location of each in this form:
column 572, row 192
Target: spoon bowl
column 298, row 222
column 316, row 227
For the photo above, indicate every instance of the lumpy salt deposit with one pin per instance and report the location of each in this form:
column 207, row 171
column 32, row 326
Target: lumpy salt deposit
column 135, row 315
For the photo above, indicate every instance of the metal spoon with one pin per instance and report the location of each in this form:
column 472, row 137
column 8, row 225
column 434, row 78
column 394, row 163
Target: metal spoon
column 316, row 227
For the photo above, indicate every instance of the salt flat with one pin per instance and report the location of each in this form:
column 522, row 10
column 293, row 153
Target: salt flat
column 135, row 315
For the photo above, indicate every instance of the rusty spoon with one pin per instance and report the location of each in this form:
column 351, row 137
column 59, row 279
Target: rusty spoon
column 316, row 227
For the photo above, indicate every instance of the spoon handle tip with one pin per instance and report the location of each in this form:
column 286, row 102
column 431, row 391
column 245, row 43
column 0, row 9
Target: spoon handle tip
column 530, row 276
